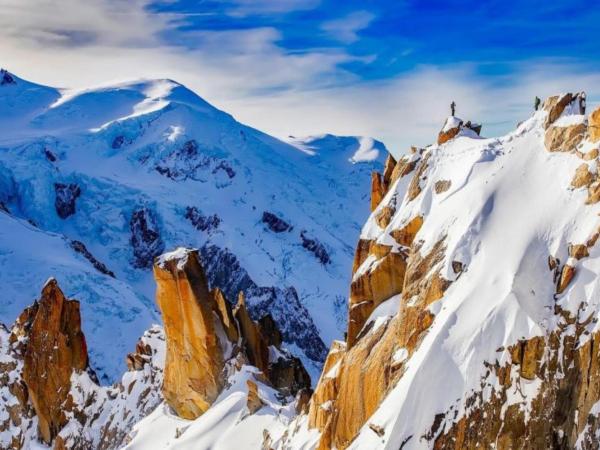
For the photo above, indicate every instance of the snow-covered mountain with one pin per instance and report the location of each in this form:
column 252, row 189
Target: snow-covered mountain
column 94, row 184
column 473, row 306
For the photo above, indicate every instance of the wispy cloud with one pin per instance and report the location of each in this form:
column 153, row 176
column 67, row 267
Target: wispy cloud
column 248, row 7
column 346, row 29
column 247, row 71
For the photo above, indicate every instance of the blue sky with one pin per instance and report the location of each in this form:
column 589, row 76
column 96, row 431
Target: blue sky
column 387, row 69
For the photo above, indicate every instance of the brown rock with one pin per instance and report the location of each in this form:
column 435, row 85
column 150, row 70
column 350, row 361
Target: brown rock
column 591, row 155
column 457, row 267
column 555, row 106
column 442, row 186
column 403, row 168
column 593, row 193
column 138, row 359
column 371, row 288
column 445, row 136
column 414, row 188
column 225, row 315
column 268, row 328
column 384, row 216
column 302, row 401
column 566, row 275
column 55, row 346
column 194, row 318
column 566, row 369
column 194, row 360
column 594, row 126
column 405, row 236
column 361, row 253
column 253, row 402
column 255, row 345
column 583, row 177
column 578, row 251
column 377, row 190
column 326, row 392
column 564, row 139
column 388, row 169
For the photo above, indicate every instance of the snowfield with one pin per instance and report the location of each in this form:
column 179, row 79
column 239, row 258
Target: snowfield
column 94, row 184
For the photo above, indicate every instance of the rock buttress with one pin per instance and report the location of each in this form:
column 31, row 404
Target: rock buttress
column 203, row 333
column 55, row 347
column 194, row 358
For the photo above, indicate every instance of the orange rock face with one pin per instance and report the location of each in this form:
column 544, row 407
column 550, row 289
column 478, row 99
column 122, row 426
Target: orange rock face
column 377, row 190
column 55, row 348
column 388, row 169
column 564, row 139
column 195, row 360
column 583, row 177
column 203, row 332
column 594, row 126
column 445, row 136
column 555, row 106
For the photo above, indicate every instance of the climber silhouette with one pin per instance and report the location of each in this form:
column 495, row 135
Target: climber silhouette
column 582, row 102
column 537, row 103
column 453, row 107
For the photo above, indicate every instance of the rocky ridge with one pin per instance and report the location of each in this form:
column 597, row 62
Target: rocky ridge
column 415, row 277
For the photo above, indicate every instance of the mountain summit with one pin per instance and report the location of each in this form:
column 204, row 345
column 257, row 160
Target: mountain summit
column 94, row 184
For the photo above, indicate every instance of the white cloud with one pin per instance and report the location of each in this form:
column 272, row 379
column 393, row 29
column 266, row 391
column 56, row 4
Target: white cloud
column 346, row 28
column 108, row 22
column 247, row 74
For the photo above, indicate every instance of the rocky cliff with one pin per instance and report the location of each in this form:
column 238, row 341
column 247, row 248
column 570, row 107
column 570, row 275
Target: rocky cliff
column 473, row 310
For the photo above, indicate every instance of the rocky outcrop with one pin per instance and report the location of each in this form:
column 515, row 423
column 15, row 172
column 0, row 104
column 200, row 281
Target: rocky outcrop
column 454, row 126
column 315, row 247
column 55, row 346
column 48, row 392
column 6, row 78
column 583, row 177
column 377, row 190
column 195, row 357
column 203, row 333
column 564, row 123
column 564, row 138
column 225, row 272
column 388, row 170
column 442, row 186
column 275, row 223
column 594, row 125
column 253, row 402
column 145, row 237
column 200, row 221
column 564, row 367
column 66, row 196
column 80, row 248
column 555, row 106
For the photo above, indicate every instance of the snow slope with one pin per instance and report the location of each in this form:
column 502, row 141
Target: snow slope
column 131, row 170
column 509, row 207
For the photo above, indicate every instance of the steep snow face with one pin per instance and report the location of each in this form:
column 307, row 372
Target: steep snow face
column 94, row 184
column 509, row 207
column 228, row 424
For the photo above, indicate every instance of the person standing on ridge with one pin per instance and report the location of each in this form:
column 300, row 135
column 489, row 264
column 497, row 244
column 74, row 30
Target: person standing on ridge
column 537, row 103
column 453, row 107
column 582, row 102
